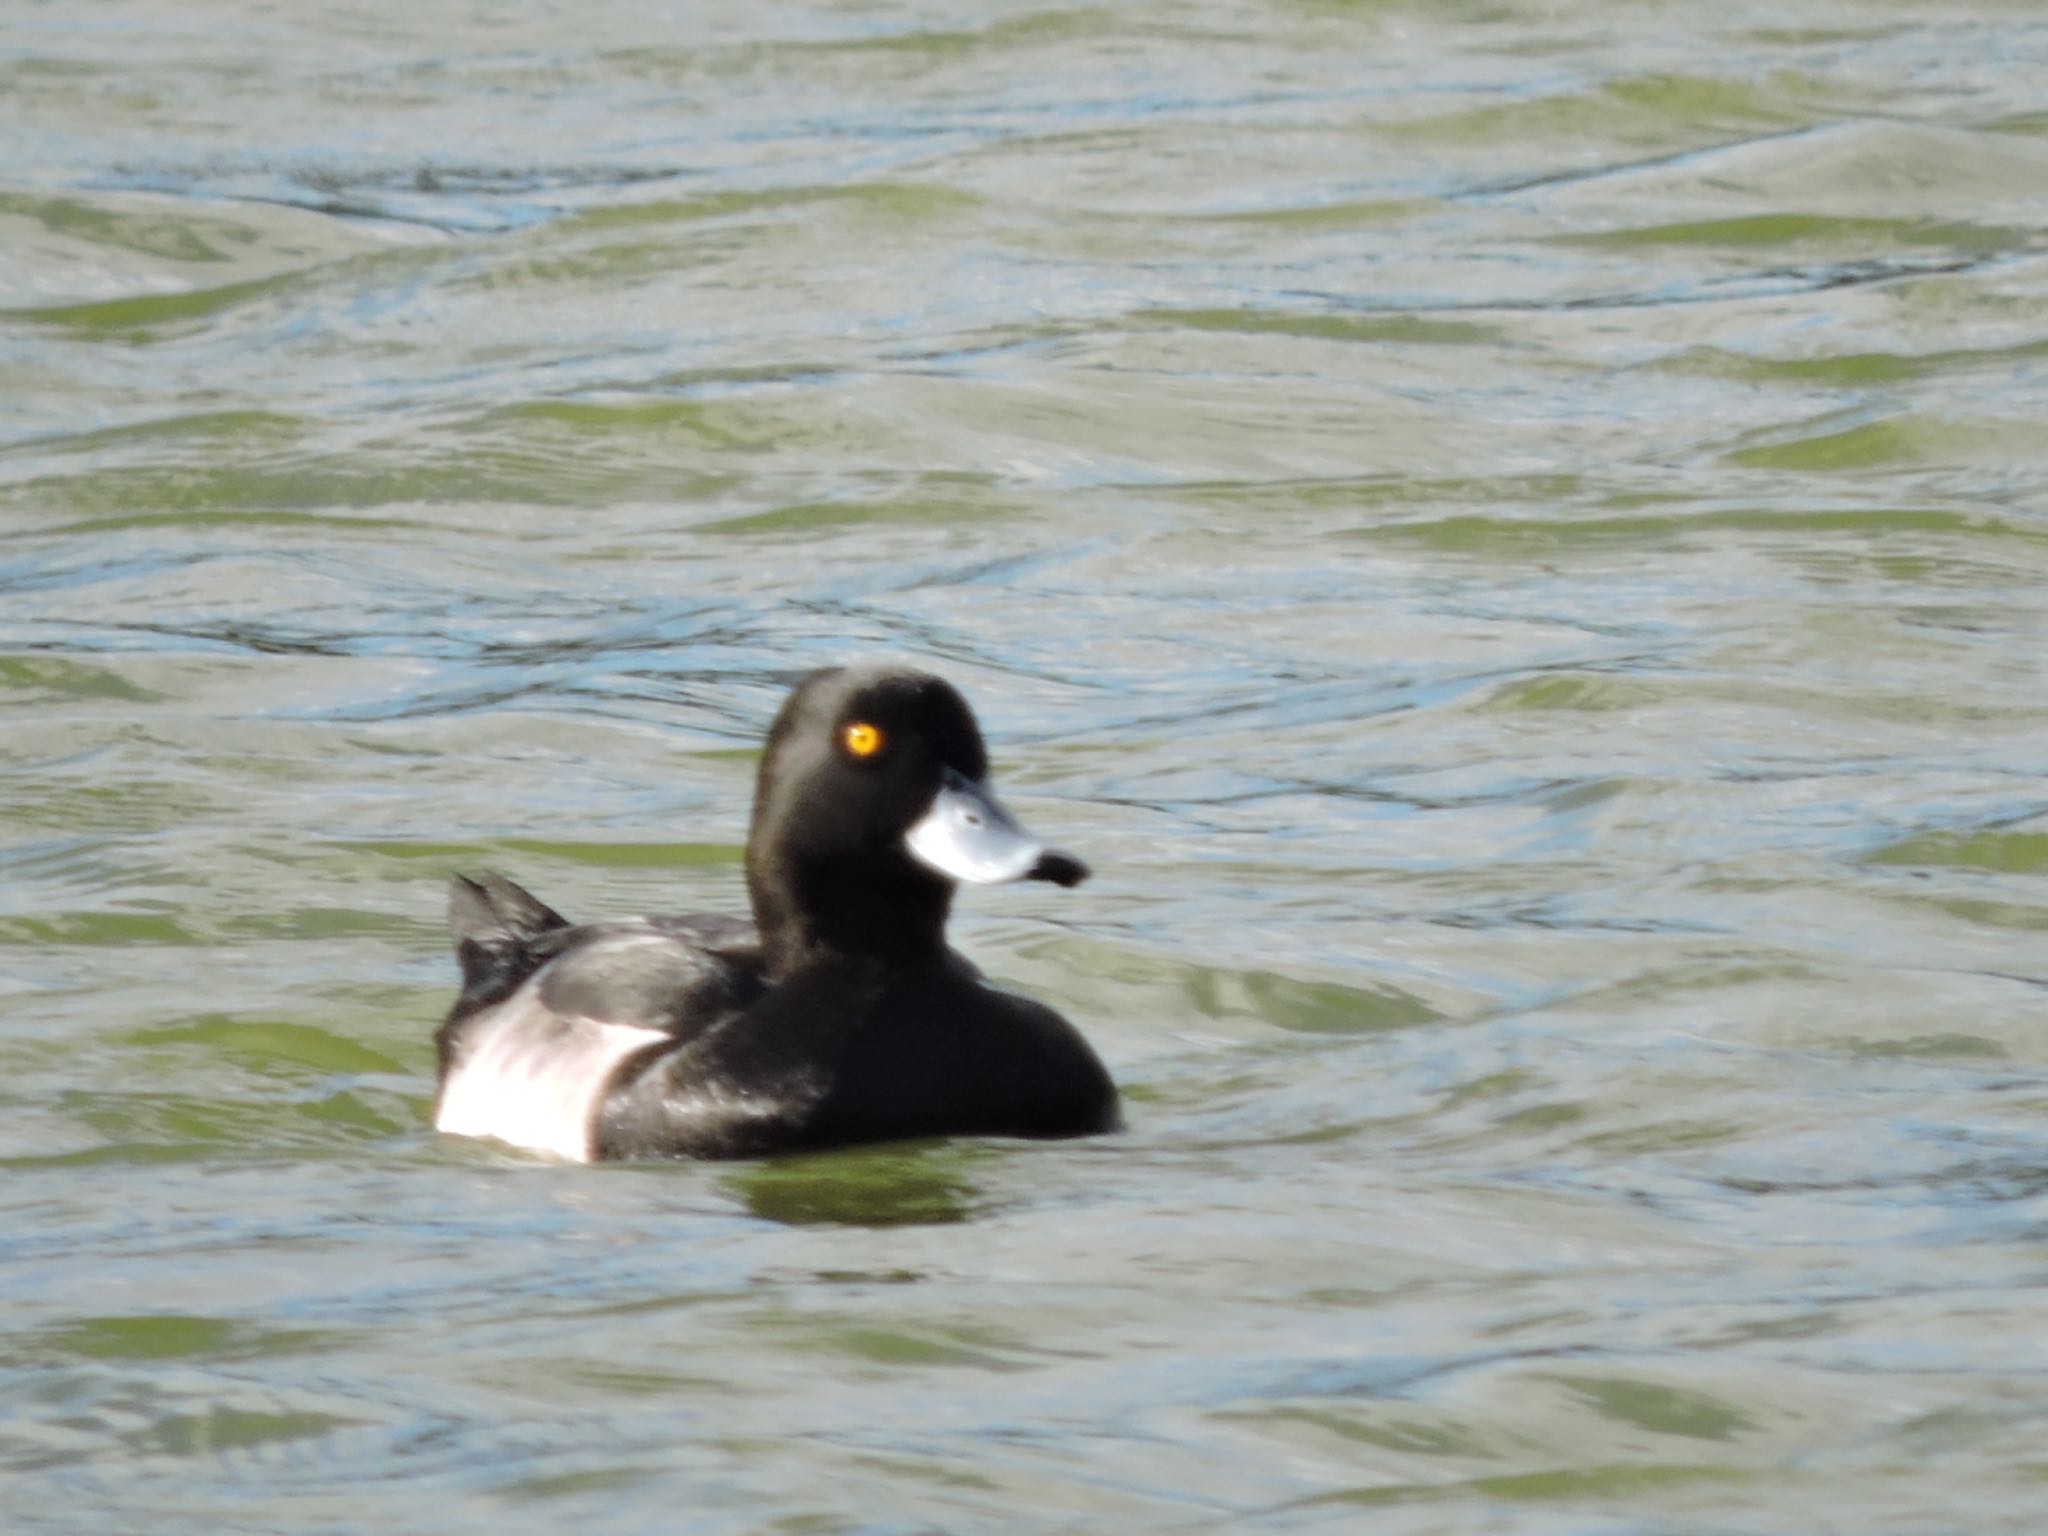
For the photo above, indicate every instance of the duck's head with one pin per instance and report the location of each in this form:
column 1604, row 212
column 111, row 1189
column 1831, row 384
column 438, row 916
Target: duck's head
column 873, row 801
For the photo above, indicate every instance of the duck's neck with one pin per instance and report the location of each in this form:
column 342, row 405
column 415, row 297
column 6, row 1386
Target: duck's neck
column 890, row 912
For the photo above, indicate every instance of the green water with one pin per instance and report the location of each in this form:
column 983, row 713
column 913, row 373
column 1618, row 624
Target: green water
column 1512, row 536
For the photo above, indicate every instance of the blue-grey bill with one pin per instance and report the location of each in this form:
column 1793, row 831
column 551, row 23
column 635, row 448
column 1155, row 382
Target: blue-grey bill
column 968, row 835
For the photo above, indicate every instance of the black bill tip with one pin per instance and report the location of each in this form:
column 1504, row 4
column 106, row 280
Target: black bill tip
column 1060, row 868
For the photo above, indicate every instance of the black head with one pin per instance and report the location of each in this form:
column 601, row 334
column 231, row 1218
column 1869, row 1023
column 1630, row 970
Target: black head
column 872, row 802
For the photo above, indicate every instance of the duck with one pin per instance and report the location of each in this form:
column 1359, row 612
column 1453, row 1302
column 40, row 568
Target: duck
column 836, row 1015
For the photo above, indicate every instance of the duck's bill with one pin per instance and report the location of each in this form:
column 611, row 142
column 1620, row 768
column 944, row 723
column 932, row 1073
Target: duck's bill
column 968, row 835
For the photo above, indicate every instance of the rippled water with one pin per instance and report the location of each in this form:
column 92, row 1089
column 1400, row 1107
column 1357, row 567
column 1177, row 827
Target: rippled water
column 1514, row 536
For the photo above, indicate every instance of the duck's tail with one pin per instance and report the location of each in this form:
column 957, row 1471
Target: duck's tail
column 499, row 928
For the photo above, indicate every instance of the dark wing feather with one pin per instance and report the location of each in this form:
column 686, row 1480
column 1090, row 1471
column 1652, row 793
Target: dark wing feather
column 503, row 933
column 678, row 975
column 653, row 975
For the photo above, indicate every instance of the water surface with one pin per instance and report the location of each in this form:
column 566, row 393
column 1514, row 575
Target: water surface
column 1512, row 536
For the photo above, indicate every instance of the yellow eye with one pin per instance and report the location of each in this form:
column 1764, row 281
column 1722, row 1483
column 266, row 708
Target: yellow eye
column 861, row 739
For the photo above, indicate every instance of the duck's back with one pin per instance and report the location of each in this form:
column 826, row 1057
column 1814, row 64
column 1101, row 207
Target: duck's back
column 549, row 1011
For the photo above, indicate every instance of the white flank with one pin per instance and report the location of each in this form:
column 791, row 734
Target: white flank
column 530, row 1077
